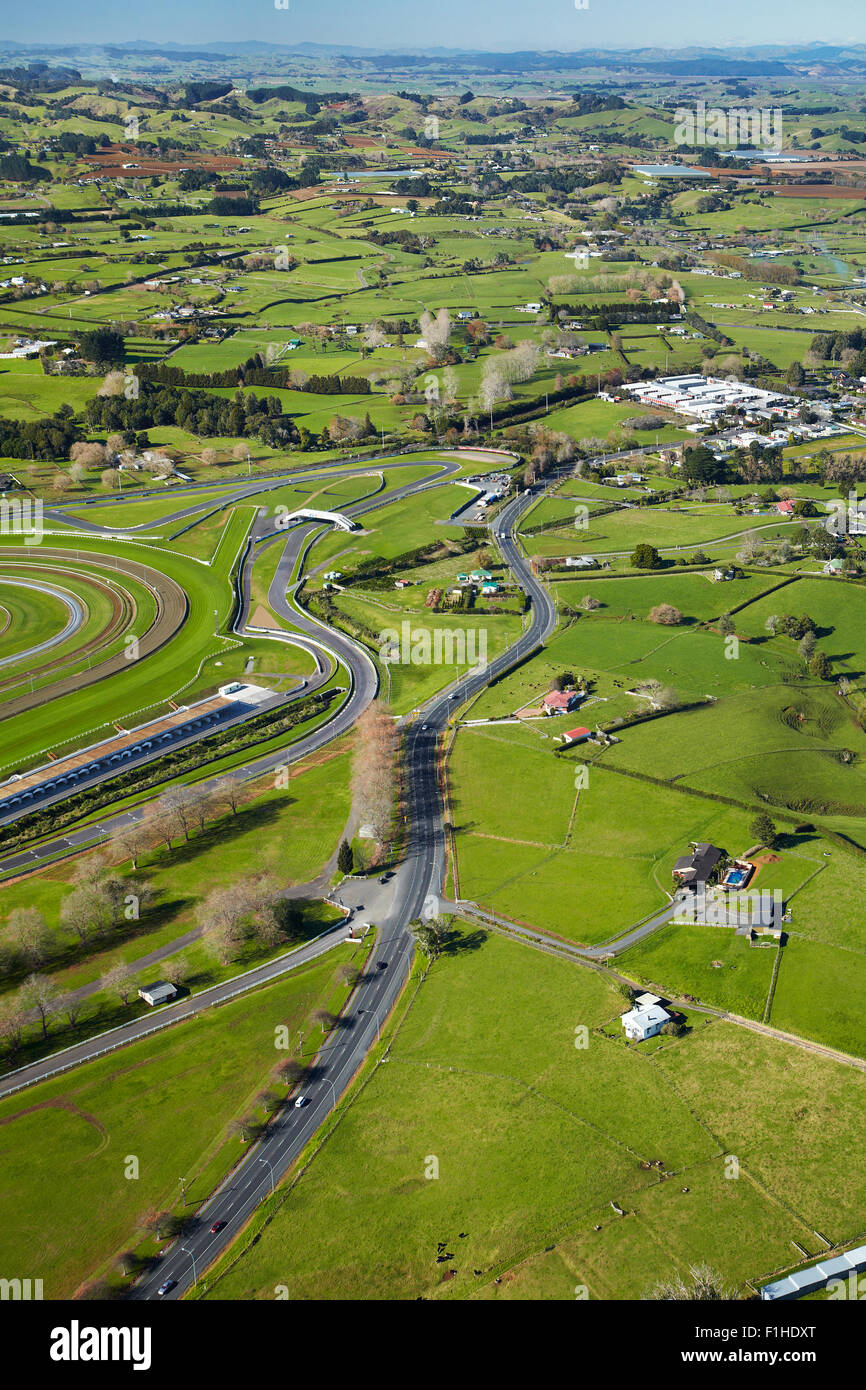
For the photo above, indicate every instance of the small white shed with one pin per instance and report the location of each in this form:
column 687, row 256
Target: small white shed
column 158, row 993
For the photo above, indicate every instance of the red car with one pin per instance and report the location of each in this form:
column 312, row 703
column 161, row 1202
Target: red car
column 217, row 1226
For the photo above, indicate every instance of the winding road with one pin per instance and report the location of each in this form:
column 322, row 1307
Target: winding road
column 416, row 886
column 413, row 891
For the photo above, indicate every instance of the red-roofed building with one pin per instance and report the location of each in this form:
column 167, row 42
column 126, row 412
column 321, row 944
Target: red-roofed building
column 562, row 701
column 786, row 507
column 576, row 735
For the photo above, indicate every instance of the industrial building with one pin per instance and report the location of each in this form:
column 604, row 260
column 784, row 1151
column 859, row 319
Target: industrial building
column 706, row 397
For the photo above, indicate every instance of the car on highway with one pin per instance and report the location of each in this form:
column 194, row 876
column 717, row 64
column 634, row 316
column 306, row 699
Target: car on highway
column 302, row 1100
column 166, row 1287
column 217, row 1226
column 423, row 728
column 383, row 965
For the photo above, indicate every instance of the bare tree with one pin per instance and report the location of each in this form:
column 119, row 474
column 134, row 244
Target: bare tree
column 176, row 971
column 90, row 869
column 11, row 1028
column 134, row 840
column 704, row 1285
column 177, row 805
column 227, row 792
column 39, row 992
column 118, row 980
column 291, row 1072
column 30, row 935
column 87, row 911
column 70, row 1006
column 223, row 918
column 374, row 772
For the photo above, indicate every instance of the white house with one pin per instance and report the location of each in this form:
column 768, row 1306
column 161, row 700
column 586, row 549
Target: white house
column 645, row 1021
column 158, row 993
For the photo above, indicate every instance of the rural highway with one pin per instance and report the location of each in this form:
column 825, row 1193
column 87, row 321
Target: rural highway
column 416, row 886
column 412, row 892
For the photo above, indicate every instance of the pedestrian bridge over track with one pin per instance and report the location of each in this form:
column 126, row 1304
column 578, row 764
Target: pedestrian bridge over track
column 287, row 519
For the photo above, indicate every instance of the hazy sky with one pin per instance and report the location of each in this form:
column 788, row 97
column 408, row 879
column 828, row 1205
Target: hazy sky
column 491, row 24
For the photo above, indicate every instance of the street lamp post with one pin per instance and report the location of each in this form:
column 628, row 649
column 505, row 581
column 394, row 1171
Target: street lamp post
column 187, row 1251
column 271, row 1166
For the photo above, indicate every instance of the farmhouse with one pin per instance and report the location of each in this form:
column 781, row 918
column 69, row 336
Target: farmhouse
column 693, row 869
column 561, row 701
column 158, row 993
column 645, row 1021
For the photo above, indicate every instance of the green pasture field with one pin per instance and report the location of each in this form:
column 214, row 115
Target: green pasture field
column 557, row 1121
column 474, row 637
column 686, row 526
column 286, row 834
column 710, row 963
column 27, row 394
column 583, row 862
column 777, row 746
column 697, row 596
column 65, row 1140
column 821, row 993
column 397, row 527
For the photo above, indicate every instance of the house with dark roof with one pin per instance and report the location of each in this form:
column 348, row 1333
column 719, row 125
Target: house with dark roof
column 695, row 868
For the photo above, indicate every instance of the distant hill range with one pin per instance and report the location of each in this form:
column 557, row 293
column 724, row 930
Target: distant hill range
column 774, row 61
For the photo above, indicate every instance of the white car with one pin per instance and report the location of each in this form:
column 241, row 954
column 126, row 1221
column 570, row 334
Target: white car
column 302, row 1100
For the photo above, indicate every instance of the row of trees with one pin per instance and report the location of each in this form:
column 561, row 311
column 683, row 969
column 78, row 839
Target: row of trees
column 374, row 773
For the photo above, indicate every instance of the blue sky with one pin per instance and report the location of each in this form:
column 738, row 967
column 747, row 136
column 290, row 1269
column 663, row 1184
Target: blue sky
column 490, row 24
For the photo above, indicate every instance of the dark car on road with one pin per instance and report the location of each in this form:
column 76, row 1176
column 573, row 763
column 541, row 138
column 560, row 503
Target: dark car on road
column 166, row 1287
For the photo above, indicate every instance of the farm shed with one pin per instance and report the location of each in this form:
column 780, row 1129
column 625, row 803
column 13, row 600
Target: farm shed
column 157, row 993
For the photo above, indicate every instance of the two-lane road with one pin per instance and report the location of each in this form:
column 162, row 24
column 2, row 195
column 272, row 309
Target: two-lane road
column 418, row 879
